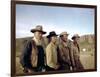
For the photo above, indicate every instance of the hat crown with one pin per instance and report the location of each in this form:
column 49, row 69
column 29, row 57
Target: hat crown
column 52, row 33
column 39, row 27
column 76, row 35
column 64, row 33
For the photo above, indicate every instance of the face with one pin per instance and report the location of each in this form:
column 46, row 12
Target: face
column 54, row 39
column 76, row 40
column 64, row 38
column 38, row 35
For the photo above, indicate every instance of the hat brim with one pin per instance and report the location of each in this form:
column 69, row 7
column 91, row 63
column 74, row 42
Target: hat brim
column 34, row 30
column 75, row 37
column 63, row 34
column 51, row 36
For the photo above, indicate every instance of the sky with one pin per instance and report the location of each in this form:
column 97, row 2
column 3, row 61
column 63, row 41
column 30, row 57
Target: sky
column 74, row 20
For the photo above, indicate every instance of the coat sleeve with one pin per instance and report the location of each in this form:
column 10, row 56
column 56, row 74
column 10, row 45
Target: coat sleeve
column 61, row 56
column 25, row 56
column 72, row 56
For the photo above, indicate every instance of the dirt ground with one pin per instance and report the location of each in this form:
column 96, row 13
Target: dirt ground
column 87, row 59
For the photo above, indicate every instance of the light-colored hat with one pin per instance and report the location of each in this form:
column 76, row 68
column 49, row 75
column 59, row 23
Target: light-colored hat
column 64, row 33
column 75, row 36
column 38, row 28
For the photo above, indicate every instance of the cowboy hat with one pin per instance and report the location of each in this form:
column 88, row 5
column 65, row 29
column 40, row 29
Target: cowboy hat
column 52, row 33
column 39, row 29
column 63, row 33
column 75, row 36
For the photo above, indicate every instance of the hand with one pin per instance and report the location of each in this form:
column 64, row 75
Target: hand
column 26, row 70
column 57, row 67
column 30, row 71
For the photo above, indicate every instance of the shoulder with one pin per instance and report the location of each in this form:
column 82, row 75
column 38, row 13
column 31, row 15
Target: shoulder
column 29, row 43
column 73, row 46
column 60, row 45
column 49, row 47
column 70, row 43
column 32, row 42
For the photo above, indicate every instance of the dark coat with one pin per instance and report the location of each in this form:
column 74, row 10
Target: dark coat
column 64, row 53
column 25, row 58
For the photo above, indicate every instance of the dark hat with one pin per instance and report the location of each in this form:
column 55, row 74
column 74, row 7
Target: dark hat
column 75, row 36
column 38, row 28
column 52, row 34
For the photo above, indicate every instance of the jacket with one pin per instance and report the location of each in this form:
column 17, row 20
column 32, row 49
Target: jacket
column 51, row 55
column 29, row 57
column 75, row 57
column 64, row 52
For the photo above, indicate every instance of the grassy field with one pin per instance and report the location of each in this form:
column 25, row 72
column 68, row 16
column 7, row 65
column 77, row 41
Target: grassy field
column 87, row 57
column 87, row 60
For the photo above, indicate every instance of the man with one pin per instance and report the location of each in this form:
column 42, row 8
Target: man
column 75, row 54
column 51, row 52
column 32, row 58
column 64, row 51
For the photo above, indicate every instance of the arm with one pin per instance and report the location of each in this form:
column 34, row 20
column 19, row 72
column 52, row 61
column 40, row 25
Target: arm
column 25, row 57
column 61, row 55
column 72, row 56
column 49, row 57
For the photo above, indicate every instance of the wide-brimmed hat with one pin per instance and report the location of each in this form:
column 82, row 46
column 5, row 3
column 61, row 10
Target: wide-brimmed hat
column 64, row 33
column 75, row 36
column 38, row 28
column 52, row 33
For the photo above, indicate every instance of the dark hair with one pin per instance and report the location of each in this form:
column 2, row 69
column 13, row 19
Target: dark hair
column 49, row 40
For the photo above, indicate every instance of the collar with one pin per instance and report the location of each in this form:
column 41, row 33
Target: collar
column 53, row 45
column 38, row 42
column 65, row 44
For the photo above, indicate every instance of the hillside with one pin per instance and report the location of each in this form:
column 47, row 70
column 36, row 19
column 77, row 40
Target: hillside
column 86, row 41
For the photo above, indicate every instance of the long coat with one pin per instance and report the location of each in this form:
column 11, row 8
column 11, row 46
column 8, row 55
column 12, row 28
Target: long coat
column 29, row 57
column 75, row 57
column 51, row 55
column 64, row 52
